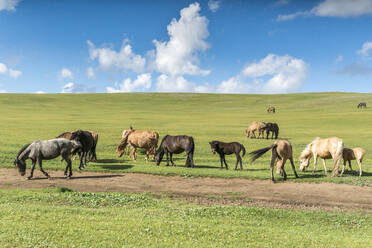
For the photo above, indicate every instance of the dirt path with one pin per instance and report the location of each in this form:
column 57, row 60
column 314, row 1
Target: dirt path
column 325, row 196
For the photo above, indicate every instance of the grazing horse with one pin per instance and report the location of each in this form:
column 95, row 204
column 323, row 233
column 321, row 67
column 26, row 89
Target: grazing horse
column 325, row 149
column 273, row 128
column 92, row 153
column 226, row 149
column 138, row 139
column 271, row 109
column 40, row 150
column 281, row 150
column 253, row 127
column 353, row 154
column 86, row 140
column 176, row 144
column 362, row 105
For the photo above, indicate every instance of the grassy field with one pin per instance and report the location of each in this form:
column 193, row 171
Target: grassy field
column 53, row 218
column 206, row 117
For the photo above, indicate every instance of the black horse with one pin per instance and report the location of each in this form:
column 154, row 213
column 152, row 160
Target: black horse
column 362, row 105
column 86, row 140
column 273, row 128
column 176, row 144
column 226, row 149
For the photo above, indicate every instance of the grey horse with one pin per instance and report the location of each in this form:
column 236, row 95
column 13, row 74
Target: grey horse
column 40, row 150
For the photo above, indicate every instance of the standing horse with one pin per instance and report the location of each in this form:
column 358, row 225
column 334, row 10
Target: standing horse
column 325, row 149
column 253, row 127
column 273, row 128
column 86, row 140
column 362, row 105
column 353, row 154
column 281, row 150
column 176, row 144
column 40, row 150
column 226, row 149
column 271, row 109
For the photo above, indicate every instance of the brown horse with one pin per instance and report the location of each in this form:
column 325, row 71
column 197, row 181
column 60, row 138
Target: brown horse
column 253, row 127
column 325, row 149
column 353, row 154
column 273, row 128
column 138, row 139
column 223, row 149
column 281, row 150
column 271, row 109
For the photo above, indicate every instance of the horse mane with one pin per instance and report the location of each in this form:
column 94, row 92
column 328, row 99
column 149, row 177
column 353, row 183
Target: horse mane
column 305, row 152
column 23, row 149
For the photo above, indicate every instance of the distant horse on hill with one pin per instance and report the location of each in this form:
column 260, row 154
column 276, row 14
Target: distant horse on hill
column 362, row 105
column 271, row 109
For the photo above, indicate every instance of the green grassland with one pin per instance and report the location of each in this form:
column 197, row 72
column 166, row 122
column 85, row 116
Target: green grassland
column 206, row 117
column 53, row 218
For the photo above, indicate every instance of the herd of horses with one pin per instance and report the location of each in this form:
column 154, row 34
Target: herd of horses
column 84, row 143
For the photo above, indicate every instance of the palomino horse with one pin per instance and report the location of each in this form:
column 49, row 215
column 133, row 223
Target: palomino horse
column 176, row 144
column 138, row 139
column 325, row 149
column 353, row 154
column 226, row 149
column 40, row 150
column 253, row 127
column 271, row 109
column 281, row 150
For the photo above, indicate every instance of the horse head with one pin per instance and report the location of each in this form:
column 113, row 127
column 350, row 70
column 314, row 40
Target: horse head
column 305, row 157
column 21, row 165
column 214, row 146
column 120, row 150
column 159, row 156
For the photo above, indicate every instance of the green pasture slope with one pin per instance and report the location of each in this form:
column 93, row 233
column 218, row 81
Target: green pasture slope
column 206, row 117
column 50, row 218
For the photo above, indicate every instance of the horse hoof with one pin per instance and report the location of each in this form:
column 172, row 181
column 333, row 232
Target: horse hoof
column 29, row 178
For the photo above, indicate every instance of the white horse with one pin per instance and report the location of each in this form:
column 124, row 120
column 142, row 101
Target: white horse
column 325, row 149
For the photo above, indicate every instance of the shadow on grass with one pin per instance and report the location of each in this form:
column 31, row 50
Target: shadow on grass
column 109, row 161
column 77, row 177
column 115, row 166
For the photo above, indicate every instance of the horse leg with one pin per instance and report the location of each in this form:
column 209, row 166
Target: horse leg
column 224, row 161
column 315, row 161
column 191, row 158
column 147, row 154
column 343, row 167
column 336, row 164
column 166, row 152
column 68, row 160
column 273, row 158
column 351, row 169
column 81, row 161
column 325, row 167
column 241, row 162
column 171, row 159
column 359, row 161
column 221, row 160
column 293, row 167
column 32, row 169
column 41, row 168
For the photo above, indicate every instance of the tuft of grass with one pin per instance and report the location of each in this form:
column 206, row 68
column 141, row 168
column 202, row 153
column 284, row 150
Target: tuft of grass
column 62, row 189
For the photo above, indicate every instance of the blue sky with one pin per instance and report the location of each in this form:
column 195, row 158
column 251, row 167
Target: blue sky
column 273, row 46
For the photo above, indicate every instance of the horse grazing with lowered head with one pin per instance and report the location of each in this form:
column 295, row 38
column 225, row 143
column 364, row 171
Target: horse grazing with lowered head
column 353, row 154
column 223, row 149
column 362, row 105
column 175, row 145
column 325, row 149
column 146, row 139
column 253, row 127
column 273, row 128
column 40, row 150
column 271, row 109
column 281, row 150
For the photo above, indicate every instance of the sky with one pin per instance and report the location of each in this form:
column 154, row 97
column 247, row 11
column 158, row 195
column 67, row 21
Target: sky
column 210, row 46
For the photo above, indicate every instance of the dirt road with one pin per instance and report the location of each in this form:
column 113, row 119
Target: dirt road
column 324, row 196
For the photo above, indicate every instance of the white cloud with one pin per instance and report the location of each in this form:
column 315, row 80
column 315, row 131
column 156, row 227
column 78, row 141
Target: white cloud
column 91, row 73
column 77, row 88
column 66, row 73
column 3, row 91
column 143, row 82
column 335, row 8
column 339, row 58
column 272, row 74
column 178, row 56
column 4, row 70
column 8, row 5
column 39, row 92
column 366, row 49
column 167, row 83
column 125, row 59
column 213, row 5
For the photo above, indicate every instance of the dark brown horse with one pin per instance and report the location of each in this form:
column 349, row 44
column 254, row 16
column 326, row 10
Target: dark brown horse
column 362, row 105
column 176, row 144
column 273, row 128
column 226, row 149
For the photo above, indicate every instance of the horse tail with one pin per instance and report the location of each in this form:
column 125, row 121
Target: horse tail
column 243, row 149
column 192, row 145
column 258, row 153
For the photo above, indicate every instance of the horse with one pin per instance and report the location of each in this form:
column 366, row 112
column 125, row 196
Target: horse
column 92, row 153
column 273, row 128
column 226, row 149
column 176, row 144
column 362, row 105
column 86, row 140
column 281, row 150
column 325, row 149
column 271, row 109
column 255, row 126
column 353, row 154
column 40, row 150
column 138, row 139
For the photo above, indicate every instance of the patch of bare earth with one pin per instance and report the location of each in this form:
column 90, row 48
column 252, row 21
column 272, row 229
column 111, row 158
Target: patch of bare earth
column 209, row 191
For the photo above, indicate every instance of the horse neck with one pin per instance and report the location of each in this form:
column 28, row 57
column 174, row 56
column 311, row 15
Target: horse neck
column 24, row 154
column 306, row 153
